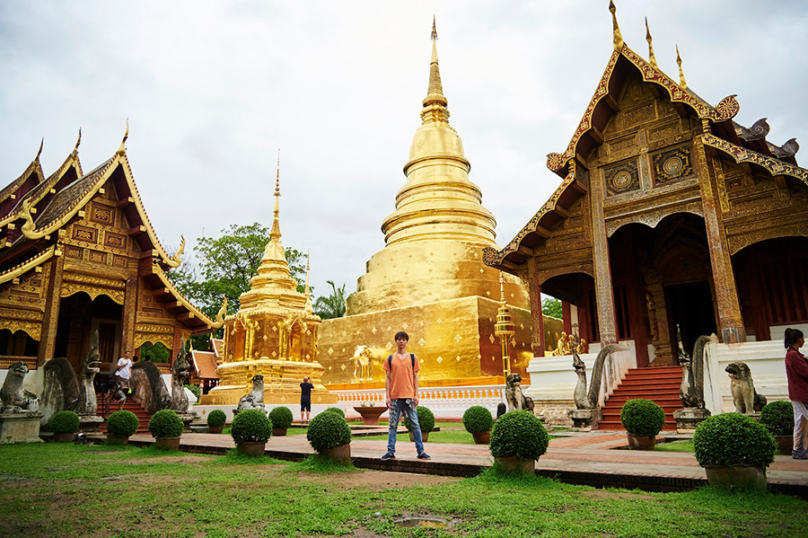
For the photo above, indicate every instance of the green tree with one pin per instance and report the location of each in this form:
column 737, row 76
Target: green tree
column 552, row 307
column 331, row 306
column 226, row 265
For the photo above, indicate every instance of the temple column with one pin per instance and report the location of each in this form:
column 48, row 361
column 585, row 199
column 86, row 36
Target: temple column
column 730, row 321
column 128, row 319
column 604, row 291
column 50, row 321
column 537, row 342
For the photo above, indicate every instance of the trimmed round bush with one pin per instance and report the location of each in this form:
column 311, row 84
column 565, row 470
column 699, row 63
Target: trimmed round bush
column 519, row 434
column 478, row 419
column 122, row 424
column 733, row 440
column 281, row 417
column 165, row 423
column 335, row 410
column 217, row 418
column 425, row 418
column 328, row 430
column 778, row 417
column 251, row 426
column 64, row 422
column 642, row 418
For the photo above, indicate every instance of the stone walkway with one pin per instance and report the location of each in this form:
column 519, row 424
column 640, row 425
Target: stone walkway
column 580, row 458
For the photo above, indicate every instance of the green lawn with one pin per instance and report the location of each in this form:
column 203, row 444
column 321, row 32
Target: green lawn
column 68, row 490
column 675, row 446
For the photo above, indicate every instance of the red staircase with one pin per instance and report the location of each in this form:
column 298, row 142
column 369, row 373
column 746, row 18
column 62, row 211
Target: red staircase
column 660, row 385
column 130, row 405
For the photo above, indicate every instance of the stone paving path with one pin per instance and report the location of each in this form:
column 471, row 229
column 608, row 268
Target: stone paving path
column 591, row 457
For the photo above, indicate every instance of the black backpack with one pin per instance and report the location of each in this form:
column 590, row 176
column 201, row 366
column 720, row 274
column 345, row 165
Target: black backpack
column 390, row 362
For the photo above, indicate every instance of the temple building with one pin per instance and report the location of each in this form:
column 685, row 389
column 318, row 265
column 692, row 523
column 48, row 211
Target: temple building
column 668, row 214
column 274, row 335
column 78, row 255
column 429, row 279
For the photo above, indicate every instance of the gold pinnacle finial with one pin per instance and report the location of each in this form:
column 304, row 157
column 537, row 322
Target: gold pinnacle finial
column 275, row 233
column 682, row 81
column 41, row 145
column 122, row 148
column 434, row 104
column 308, row 259
column 502, row 288
column 618, row 37
column 652, row 58
column 76, row 147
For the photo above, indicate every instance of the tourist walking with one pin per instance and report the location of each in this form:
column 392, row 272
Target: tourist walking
column 401, row 387
column 797, row 373
column 123, row 370
column 305, row 400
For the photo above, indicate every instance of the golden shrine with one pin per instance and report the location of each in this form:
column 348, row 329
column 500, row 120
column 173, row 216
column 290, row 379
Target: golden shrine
column 429, row 279
column 669, row 213
column 274, row 334
column 78, row 255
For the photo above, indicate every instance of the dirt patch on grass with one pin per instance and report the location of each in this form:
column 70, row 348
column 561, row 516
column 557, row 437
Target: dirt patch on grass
column 166, row 459
column 377, row 480
column 603, row 494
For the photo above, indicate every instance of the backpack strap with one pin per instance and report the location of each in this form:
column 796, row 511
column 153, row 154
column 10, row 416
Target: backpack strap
column 390, row 363
column 412, row 361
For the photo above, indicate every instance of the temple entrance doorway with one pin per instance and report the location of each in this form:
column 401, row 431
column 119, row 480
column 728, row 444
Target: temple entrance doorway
column 79, row 317
column 690, row 307
column 576, row 291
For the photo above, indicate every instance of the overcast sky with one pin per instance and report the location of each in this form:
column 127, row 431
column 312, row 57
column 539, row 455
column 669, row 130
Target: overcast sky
column 213, row 89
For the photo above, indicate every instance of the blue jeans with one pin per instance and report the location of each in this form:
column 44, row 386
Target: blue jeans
column 398, row 406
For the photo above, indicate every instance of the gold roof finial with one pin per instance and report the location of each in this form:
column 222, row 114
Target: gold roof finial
column 434, row 104
column 682, row 81
column 122, row 148
column 618, row 37
column 275, row 233
column 76, row 147
column 502, row 288
column 39, row 152
column 651, row 57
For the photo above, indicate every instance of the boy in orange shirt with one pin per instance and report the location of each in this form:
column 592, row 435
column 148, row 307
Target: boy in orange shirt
column 401, row 386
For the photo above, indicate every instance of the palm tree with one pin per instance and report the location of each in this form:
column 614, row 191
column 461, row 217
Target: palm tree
column 332, row 306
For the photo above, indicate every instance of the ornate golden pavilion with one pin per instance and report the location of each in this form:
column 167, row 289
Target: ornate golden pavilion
column 78, row 254
column 429, row 279
column 274, row 335
column 669, row 213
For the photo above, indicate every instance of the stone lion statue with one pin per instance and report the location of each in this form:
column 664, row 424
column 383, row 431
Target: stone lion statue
column 255, row 399
column 514, row 396
column 747, row 401
column 13, row 397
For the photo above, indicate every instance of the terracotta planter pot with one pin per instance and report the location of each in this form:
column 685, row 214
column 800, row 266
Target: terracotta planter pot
column 252, row 448
column 216, row 429
column 63, row 437
column 370, row 415
column 785, row 444
column 641, row 442
column 115, row 440
column 424, row 436
column 279, row 431
column 513, row 465
column 340, row 454
column 722, row 477
column 167, row 443
column 482, row 438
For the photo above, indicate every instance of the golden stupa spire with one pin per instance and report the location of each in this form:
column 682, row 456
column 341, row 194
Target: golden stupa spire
column 618, row 37
column 682, row 81
column 651, row 57
column 275, row 233
column 435, row 102
column 308, row 260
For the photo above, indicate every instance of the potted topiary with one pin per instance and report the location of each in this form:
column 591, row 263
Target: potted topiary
column 734, row 449
column 166, row 428
column 120, row 426
column 643, row 420
column 517, row 440
column 216, row 420
column 336, row 410
column 63, row 425
column 426, row 419
column 778, row 417
column 478, row 422
column 330, row 436
column 281, row 418
column 251, row 429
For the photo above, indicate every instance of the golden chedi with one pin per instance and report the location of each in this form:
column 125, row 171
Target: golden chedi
column 274, row 334
column 429, row 279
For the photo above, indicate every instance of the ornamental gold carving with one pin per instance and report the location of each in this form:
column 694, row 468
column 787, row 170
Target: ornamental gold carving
column 31, row 328
column 154, row 328
column 165, row 339
column 71, row 288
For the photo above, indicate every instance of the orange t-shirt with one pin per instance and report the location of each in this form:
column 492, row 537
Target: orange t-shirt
column 402, row 384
